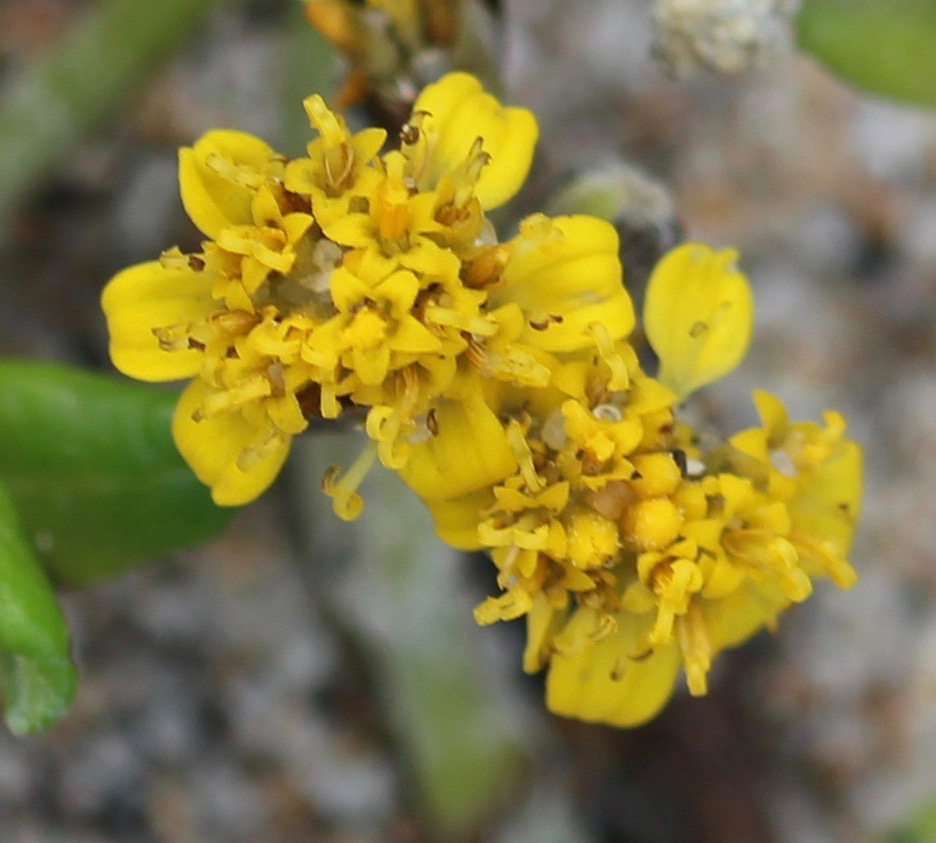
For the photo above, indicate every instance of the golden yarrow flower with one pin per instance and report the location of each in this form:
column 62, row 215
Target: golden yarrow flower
column 630, row 551
column 332, row 280
column 498, row 378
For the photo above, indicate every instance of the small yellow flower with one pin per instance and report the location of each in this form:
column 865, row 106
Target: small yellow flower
column 449, row 116
column 341, row 278
column 219, row 177
column 698, row 316
column 465, row 448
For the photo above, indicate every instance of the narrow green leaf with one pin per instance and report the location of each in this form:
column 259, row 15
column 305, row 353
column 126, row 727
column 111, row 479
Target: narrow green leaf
column 885, row 46
column 36, row 674
column 90, row 463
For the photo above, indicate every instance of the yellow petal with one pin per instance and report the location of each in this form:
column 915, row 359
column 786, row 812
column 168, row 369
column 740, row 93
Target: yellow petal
column 460, row 112
column 149, row 296
column 215, row 200
column 412, row 337
column 215, row 448
column 736, row 617
column 469, row 451
column 698, row 315
column 829, row 508
column 565, row 274
column 456, row 521
column 615, row 680
column 543, row 621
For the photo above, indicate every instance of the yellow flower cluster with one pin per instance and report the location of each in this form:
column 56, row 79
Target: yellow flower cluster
column 497, row 378
column 342, row 279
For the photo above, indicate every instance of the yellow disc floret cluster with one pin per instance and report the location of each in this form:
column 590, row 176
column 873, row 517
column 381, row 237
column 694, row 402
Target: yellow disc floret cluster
column 497, row 377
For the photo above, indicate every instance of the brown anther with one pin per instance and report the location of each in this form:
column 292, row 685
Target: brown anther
column 310, row 401
column 591, row 465
column 328, row 478
column 485, row 270
column 236, row 322
column 196, row 263
column 409, row 134
column 541, row 324
column 195, row 344
column 359, row 205
column 679, row 457
column 612, row 499
column 432, row 422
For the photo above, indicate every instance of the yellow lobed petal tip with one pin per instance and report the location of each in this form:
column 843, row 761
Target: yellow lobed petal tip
column 457, row 111
column 218, row 177
column 235, row 456
column 616, row 680
column 698, row 315
column 146, row 301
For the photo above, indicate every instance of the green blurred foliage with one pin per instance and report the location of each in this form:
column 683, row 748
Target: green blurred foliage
column 90, row 464
column 884, row 46
column 37, row 677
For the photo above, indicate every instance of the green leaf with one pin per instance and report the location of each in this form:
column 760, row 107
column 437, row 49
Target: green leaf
column 90, row 463
column 37, row 676
column 885, row 46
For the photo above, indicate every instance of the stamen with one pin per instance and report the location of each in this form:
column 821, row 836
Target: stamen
column 509, row 606
column 342, row 488
column 173, row 337
column 255, row 453
column 244, row 392
column 619, row 377
column 696, row 650
column 485, row 270
column 524, row 456
column 553, row 431
column 607, row 412
column 244, row 176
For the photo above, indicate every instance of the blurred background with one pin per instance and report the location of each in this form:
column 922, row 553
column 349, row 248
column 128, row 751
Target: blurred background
column 301, row 679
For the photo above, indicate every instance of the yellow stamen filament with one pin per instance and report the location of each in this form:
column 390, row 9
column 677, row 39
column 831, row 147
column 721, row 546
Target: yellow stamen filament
column 342, row 488
column 619, row 378
column 696, row 650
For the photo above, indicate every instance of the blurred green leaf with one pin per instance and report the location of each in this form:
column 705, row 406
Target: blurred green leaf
column 37, row 677
column 885, row 46
column 921, row 828
column 91, row 465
